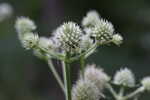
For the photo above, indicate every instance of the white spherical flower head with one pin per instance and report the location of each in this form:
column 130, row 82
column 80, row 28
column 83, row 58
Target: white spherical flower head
column 103, row 31
column 146, row 83
column 6, row 11
column 96, row 75
column 124, row 77
column 117, row 39
column 69, row 34
column 24, row 24
column 30, row 40
column 91, row 19
column 85, row 90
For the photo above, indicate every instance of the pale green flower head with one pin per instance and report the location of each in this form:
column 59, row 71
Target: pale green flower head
column 146, row 83
column 124, row 77
column 30, row 40
column 24, row 24
column 85, row 90
column 69, row 34
column 96, row 75
column 91, row 19
column 117, row 39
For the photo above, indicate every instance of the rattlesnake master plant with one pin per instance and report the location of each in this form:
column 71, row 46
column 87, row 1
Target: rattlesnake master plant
column 69, row 43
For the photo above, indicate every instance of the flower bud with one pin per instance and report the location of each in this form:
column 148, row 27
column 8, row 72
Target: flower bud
column 117, row 39
column 30, row 40
column 85, row 90
column 90, row 19
column 124, row 77
column 146, row 83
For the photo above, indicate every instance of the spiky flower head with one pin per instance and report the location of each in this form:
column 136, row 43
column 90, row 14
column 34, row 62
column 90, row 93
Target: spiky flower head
column 69, row 34
column 96, row 75
column 85, row 90
column 24, row 24
column 6, row 11
column 124, row 77
column 91, row 19
column 29, row 40
column 117, row 39
column 146, row 83
column 103, row 31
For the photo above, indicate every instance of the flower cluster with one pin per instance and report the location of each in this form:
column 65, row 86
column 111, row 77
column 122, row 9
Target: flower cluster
column 69, row 37
column 90, row 86
column 100, row 29
column 68, row 43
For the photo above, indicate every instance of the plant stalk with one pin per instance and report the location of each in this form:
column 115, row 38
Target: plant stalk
column 109, row 87
column 82, row 65
column 136, row 92
column 67, row 78
column 56, row 75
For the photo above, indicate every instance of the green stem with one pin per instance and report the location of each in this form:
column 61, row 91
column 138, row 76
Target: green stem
column 56, row 55
column 86, row 54
column 82, row 65
column 121, row 93
column 67, row 78
column 56, row 75
column 109, row 87
column 136, row 92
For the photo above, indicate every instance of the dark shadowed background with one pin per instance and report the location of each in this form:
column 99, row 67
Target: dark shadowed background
column 25, row 77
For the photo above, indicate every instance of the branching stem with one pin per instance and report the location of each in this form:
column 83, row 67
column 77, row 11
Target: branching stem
column 67, row 78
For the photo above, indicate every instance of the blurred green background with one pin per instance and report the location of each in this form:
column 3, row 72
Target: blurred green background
column 25, row 77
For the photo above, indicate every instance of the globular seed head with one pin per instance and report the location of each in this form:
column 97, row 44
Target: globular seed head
column 124, row 77
column 29, row 40
column 85, row 90
column 96, row 75
column 91, row 19
column 24, row 24
column 103, row 31
column 146, row 83
column 69, row 34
